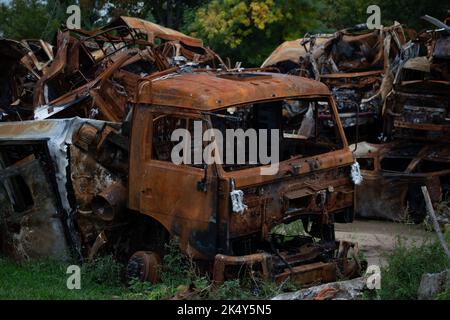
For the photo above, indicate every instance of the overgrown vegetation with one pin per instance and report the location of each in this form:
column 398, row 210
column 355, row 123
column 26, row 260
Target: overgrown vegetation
column 406, row 265
column 103, row 279
column 445, row 295
column 103, row 270
column 180, row 278
column 289, row 230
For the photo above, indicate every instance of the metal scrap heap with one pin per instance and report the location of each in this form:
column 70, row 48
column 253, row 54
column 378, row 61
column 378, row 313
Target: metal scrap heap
column 355, row 63
column 392, row 91
column 416, row 116
column 92, row 74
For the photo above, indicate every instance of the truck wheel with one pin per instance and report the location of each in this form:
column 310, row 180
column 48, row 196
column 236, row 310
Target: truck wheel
column 144, row 265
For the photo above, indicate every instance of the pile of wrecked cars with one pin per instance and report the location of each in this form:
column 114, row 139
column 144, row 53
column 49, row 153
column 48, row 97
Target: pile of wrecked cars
column 85, row 158
column 392, row 89
column 416, row 115
column 355, row 64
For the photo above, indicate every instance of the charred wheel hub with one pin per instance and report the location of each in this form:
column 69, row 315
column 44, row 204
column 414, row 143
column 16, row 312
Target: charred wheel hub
column 144, row 265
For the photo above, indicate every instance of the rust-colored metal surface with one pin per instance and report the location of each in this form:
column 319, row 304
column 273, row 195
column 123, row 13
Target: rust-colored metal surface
column 153, row 30
column 393, row 174
column 93, row 73
column 208, row 91
column 23, row 64
column 418, row 106
column 145, row 266
column 356, row 64
column 288, row 57
column 416, row 121
column 312, row 186
column 309, row 264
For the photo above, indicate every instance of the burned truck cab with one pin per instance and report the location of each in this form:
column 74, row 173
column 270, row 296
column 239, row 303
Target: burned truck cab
column 228, row 162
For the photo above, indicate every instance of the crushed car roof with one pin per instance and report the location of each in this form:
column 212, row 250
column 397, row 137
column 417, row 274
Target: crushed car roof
column 208, row 91
column 154, row 30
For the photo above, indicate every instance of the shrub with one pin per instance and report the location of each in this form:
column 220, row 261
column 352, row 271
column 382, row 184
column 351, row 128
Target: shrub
column 104, row 270
column 401, row 278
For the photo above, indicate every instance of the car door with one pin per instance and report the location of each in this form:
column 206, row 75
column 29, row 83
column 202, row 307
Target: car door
column 180, row 196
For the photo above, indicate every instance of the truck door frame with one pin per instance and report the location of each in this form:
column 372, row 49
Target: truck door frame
column 170, row 193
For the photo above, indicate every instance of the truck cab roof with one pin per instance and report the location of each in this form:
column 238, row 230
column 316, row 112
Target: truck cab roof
column 209, row 91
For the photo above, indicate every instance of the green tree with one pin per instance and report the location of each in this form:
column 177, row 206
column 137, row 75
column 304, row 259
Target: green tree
column 340, row 14
column 251, row 29
column 409, row 12
column 346, row 13
column 93, row 12
column 21, row 19
column 169, row 13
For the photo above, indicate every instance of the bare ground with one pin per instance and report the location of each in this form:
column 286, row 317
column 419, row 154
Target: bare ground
column 378, row 238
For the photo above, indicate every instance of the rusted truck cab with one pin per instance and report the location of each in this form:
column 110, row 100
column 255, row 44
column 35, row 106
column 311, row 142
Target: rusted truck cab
column 197, row 201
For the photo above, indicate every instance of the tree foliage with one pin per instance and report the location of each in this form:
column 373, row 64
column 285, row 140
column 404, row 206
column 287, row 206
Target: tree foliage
column 23, row 19
column 244, row 30
column 345, row 13
column 169, row 13
column 27, row 19
column 252, row 28
column 409, row 11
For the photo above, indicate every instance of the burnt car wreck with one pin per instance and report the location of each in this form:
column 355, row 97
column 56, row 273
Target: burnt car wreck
column 416, row 121
column 357, row 66
column 90, row 171
column 91, row 73
column 391, row 88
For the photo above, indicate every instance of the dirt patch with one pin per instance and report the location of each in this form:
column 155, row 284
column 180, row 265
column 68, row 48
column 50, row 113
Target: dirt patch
column 378, row 238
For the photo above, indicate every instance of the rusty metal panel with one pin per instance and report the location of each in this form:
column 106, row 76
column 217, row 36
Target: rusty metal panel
column 154, row 30
column 391, row 185
column 207, row 91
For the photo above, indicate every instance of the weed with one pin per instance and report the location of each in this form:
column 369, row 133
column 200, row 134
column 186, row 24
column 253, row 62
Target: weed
column 445, row 295
column 179, row 272
column 103, row 270
column 401, row 278
column 289, row 230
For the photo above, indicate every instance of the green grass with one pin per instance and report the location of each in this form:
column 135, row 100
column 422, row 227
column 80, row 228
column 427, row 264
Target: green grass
column 445, row 295
column 103, row 279
column 406, row 265
column 47, row 280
